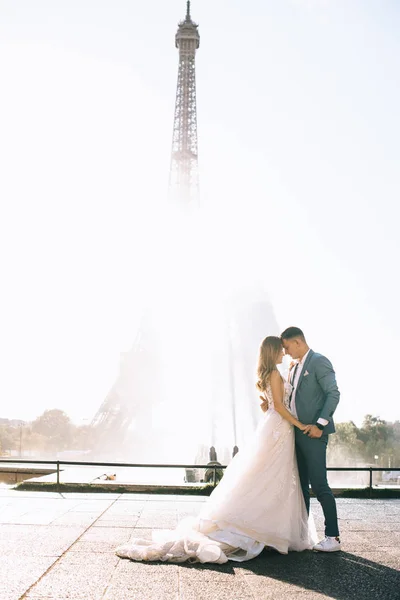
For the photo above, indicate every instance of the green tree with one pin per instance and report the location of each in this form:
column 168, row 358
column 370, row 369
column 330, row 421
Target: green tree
column 33, row 441
column 8, row 439
column 377, row 437
column 345, row 448
column 394, row 452
column 56, row 426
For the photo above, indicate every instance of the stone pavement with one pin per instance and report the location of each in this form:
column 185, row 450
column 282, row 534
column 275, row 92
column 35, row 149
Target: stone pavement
column 61, row 546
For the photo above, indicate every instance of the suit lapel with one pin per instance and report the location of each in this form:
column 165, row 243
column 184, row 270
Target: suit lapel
column 308, row 359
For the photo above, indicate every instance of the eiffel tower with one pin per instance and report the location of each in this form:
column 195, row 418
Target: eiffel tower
column 184, row 176
column 127, row 419
column 128, row 411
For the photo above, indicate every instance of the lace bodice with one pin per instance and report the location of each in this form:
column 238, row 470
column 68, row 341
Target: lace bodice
column 286, row 396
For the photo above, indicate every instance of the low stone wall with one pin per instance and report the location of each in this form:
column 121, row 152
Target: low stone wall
column 12, row 475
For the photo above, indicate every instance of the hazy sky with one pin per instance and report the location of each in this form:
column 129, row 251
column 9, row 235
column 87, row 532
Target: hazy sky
column 299, row 128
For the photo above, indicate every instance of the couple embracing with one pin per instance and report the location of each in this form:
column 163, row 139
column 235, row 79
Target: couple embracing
column 263, row 500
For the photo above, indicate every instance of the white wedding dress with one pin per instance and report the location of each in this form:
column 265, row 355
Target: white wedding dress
column 258, row 503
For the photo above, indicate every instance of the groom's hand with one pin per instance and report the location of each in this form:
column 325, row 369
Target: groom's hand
column 314, row 432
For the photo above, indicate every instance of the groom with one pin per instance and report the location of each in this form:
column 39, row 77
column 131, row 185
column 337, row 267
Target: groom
column 314, row 399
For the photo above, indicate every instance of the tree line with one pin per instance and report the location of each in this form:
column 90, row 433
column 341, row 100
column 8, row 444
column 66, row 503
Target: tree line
column 50, row 433
column 376, row 442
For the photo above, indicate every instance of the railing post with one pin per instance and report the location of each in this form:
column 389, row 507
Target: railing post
column 370, row 482
column 58, row 476
column 215, row 476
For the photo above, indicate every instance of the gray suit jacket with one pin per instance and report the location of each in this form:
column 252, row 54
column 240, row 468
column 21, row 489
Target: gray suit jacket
column 317, row 393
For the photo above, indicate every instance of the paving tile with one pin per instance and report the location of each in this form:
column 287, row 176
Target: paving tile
column 104, row 547
column 72, row 545
column 132, row 593
column 115, row 535
column 37, row 540
column 118, row 522
column 19, row 572
column 372, row 525
column 93, row 502
column 143, row 580
column 73, row 518
column 260, row 584
column 111, row 516
column 129, row 496
column 208, row 590
column 132, row 570
column 73, row 578
column 372, row 540
column 126, row 508
column 387, row 557
column 219, row 574
column 161, row 521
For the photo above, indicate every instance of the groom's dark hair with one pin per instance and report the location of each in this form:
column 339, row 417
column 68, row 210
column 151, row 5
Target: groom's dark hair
column 292, row 332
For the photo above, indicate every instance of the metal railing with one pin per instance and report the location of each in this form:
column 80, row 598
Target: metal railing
column 213, row 467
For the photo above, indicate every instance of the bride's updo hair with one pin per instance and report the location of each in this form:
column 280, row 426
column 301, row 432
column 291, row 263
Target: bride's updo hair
column 268, row 357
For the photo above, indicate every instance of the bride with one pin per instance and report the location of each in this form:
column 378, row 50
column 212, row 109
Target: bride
column 258, row 502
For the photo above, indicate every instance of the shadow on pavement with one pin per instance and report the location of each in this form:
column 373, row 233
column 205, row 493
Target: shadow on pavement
column 341, row 575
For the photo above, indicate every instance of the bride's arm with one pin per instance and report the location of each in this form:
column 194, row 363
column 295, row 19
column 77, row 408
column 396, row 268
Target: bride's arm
column 277, row 394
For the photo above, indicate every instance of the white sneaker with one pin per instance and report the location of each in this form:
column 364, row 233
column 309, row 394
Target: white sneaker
column 328, row 544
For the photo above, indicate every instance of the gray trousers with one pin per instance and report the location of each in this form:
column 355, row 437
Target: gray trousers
column 311, row 461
